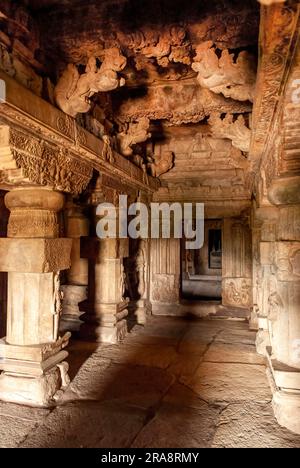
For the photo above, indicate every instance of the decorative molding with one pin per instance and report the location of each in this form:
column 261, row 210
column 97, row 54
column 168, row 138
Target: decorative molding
column 279, row 32
column 42, row 163
column 63, row 138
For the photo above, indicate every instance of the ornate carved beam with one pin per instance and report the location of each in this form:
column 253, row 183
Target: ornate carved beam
column 43, row 145
column 279, row 32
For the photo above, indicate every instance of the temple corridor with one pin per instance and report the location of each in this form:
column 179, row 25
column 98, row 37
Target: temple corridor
column 149, row 223
column 177, row 382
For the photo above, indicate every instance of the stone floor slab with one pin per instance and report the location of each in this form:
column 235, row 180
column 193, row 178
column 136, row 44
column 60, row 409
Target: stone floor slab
column 252, row 425
column 230, row 382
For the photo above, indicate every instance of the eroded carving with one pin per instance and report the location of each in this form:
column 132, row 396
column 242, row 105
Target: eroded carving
column 73, row 91
column 233, row 78
column 161, row 163
column 234, row 130
column 134, row 134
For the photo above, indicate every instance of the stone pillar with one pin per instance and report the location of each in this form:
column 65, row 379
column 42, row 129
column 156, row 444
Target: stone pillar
column 265, row 219
column 165, row 275
column 284, row 317
column 279, row 298
column 75, row 291
column 138, row 279
column 106, row 308
column 237, row 263
column 32, row 355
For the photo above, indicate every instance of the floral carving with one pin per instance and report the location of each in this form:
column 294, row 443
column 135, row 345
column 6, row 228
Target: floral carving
column 44, row 164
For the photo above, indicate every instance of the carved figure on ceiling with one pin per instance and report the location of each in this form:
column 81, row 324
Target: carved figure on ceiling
column 161, row 163
column 236, row 131
column 233, row 78
column 134, row 134
column 73, row 91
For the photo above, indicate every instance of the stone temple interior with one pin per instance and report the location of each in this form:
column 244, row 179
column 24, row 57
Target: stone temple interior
column 123, row 342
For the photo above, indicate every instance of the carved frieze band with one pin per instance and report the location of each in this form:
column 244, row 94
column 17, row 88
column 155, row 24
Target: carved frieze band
column 41, row 162
column 278, row 36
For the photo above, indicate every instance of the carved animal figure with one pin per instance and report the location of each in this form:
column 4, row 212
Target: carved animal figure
column 73, row 91
column 224, row 75
column 236, row 131
column 136, row 133
column 161, row 163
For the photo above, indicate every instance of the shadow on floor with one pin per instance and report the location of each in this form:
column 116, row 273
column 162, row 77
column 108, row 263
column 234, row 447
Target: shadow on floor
column 176, row 383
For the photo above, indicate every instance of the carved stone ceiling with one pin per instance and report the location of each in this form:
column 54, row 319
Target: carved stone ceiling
column 191, row 71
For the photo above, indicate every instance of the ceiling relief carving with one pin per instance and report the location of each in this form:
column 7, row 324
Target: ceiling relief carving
column 161, row 163
column 135, row 133
column 73, row 91
column 233, row 77
column 146, row 79
column 234, row 130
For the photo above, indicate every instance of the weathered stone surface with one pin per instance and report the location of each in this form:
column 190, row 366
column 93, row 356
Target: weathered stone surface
column 88, row 425
column 230, row 382
column 112, row 403
column 150, row 356
column 235, row 353
column 16, row 422
column 243, row 337
column 38, row 255
column 252, row 425
column 179, row 427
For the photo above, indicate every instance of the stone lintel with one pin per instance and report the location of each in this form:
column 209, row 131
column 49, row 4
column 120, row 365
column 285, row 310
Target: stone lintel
column 35, row 255
column 38, row 117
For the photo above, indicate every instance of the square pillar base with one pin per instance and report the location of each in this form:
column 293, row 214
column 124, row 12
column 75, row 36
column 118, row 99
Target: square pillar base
column 32, row 391
column 107, row 324
column 285, row 385
column 287, row 410
column 33, row 375
column 140, row 309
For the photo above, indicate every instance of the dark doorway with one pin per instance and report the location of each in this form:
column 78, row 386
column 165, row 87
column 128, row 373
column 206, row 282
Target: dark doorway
column 202, row 268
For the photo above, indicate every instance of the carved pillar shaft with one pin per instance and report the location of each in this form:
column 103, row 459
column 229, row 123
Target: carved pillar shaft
column 165, row 274
column 33, row 354
column 75, row 291
column 138, row 280
column 106, row 308
column 237, row 270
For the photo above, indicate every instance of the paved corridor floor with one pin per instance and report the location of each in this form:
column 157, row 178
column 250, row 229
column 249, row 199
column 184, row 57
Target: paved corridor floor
column 175, row 383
